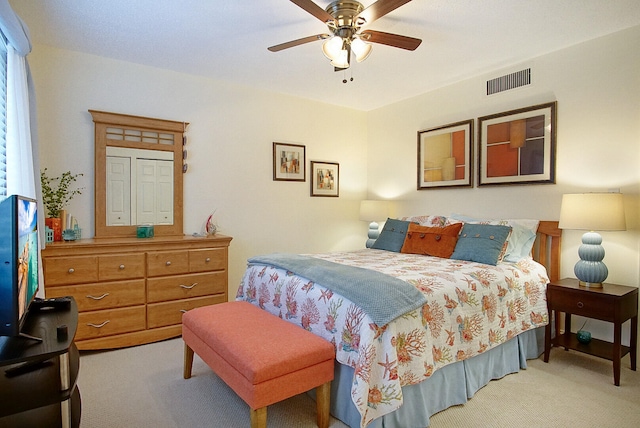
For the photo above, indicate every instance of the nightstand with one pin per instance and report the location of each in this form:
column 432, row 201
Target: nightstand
column 612, row 303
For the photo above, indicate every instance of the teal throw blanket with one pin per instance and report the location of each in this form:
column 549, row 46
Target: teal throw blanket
column 383, row 297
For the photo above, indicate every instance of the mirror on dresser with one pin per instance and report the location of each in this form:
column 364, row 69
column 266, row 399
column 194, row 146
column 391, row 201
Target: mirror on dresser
column 138, row 174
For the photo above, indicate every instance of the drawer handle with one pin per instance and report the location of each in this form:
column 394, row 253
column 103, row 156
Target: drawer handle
column 98, row 325
column 207, row 260
column 71, row 270
column 121, row 267
column 184, row 311
column 188, row 287
column 97, row 298
column 580, row 305
column 168, row 263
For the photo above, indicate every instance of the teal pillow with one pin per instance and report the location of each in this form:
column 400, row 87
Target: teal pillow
column 392, row 236
column 481, row 243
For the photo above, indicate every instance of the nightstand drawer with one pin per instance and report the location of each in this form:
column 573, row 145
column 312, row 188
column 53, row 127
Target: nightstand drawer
column 585, row 304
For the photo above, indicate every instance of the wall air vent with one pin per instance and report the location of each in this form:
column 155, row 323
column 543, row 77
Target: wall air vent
column 509, row 81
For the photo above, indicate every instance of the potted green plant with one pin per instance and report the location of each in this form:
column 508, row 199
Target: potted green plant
column 56, row 194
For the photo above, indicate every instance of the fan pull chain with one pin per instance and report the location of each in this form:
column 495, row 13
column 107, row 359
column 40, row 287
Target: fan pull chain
column 344, row 80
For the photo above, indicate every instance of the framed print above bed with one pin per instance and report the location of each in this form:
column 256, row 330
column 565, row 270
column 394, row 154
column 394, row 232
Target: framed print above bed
column 325, row 179
column 288, row 162
column 444, row 156
column 518, row 146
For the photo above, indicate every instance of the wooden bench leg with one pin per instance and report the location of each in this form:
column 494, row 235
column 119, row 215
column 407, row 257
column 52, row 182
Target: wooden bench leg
column 323, row 401
column 188, row 361
column 259, row 417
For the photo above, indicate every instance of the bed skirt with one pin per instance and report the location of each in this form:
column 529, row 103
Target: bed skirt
column 451, row 385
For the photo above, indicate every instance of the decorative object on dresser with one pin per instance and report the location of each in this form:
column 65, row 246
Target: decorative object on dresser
column 57, row 192
column 132, row 291
column 373, row 211
column 613, row 303
column 591, row 212
column 445, row 156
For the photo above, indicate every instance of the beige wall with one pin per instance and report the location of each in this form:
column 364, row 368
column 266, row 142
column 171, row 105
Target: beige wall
column 597, row 87
column 596, row 84
column 230, row 152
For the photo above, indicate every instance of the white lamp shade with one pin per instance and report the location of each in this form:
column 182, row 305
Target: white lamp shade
column 360, row 49
column 332, row 47
column 342, row 61
column 374, row 210
column 592, row 211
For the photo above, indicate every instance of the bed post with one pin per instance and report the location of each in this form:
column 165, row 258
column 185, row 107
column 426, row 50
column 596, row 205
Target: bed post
column 546, row 249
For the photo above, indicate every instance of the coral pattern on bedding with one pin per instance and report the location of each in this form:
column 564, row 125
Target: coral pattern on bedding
column 471, row 308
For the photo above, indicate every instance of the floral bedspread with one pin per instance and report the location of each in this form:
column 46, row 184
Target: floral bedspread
column 471, row 308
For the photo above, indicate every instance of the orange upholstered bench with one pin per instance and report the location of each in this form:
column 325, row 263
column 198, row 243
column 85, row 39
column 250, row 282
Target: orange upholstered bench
column 262, row 358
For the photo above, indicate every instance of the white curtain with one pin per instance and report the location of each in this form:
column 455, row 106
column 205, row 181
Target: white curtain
column 20, row 181
column 22, row 141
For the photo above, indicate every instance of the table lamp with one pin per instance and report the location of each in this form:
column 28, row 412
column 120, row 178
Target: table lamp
column 591, row 212
column 373, row 211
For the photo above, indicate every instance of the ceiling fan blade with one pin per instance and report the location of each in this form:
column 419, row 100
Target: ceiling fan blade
column 298, row 42
column 389, row 39
column 379, row 9
column 314, row 10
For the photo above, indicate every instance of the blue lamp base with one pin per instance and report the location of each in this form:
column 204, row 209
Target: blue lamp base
column 590, row 269
column 373, row 234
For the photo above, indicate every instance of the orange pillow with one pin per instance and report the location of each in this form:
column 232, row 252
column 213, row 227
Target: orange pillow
column 431, row 241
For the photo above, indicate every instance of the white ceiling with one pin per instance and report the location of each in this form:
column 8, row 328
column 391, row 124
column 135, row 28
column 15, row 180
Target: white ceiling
column 228, row 40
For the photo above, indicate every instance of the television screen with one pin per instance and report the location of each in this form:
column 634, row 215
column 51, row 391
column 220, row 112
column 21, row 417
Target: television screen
column 27, row 254
column 18, row 261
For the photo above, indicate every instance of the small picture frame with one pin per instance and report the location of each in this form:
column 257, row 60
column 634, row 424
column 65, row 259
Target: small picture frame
column 518, row 146
column 445, row 156
column 325, row 178
column 289, row 162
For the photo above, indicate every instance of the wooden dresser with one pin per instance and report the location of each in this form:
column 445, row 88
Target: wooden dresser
column 132, row 291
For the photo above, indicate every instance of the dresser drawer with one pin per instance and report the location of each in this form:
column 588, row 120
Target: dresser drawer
column 170, row 313
column 207, row 259
column 110, row 321
column 70, row 270
column 584, row 304
column 91, row 297
column 162, row 263
column 120, row 266
column 186, row 286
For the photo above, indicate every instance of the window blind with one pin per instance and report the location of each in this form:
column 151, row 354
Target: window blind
column 3, row 117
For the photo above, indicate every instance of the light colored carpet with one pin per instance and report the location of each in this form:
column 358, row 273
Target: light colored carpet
column 143, row 387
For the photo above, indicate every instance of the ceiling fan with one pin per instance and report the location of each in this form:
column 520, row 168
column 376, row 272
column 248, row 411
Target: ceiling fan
column 345, row 20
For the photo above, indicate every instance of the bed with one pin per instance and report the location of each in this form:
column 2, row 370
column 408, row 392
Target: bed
column 458, row 324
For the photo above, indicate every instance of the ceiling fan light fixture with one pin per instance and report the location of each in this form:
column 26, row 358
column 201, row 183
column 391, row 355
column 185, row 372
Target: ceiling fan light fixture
column 332, row 47
column 342, row 60
column 360, row 49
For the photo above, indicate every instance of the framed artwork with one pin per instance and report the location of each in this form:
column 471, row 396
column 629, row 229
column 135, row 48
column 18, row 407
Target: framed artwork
column 445, row 156
column 518, row 146
column 288, row 162
column 325, row 178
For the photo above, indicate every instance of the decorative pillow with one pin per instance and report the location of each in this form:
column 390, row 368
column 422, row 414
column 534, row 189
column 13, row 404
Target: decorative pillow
column 482, row 243
column 521, row 240
column 392, row 236
column 431, row 241
column 428, row 220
